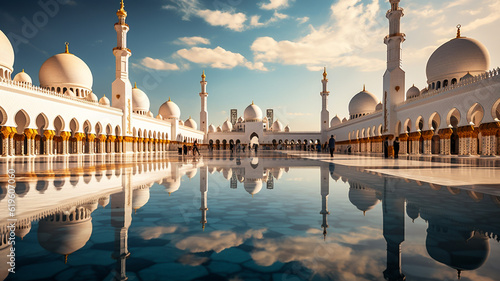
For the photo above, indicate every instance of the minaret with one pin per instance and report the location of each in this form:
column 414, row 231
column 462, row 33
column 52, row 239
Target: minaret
column 325, row 115
column 394, row 76
column 121, row 87
column 203, row 191
column 204, row 110
column 325, row 191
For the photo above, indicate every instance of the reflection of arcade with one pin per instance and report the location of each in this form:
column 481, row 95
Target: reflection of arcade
column 456, row 236
column 63, row 205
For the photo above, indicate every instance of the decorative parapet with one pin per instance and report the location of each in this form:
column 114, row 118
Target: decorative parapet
column 466, row 82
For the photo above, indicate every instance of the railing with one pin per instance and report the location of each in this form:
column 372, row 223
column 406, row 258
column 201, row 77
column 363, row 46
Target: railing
column 466, row 82
column 24, row 85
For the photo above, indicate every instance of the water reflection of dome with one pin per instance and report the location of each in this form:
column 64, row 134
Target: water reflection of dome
column 171, row 184
column 277, row 173
column 140, row 197
column 363, row 198
column 191, row 173
column 22, row 230
column 104, row 201
column 91, row 206
column 461, row 250
column 413, row 211
column 227, row 173
column 211, row 170
column 64, row 234
column 253, row 186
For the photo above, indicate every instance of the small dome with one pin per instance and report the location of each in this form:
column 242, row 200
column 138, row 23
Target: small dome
column 277, row 126
column 6, row 52
column 169, row 110
column 70, row 93
column 455, row 58
column 65, row 70
column 140, row 197
column 344, row 120
column 335, row 121
column 413, row 211
column 363, row 102
column 253, row 113
column 241, row 120
column 227, row 173
column 211, row 128
column 93, row 98
column 104, row 201
column 150, row 114
column 171, row 184
column 227, row 126
column 181, row 123
column 104, row 101
column 412, row 92
column 191, row 173
column 379, row 106
column 424, row 91
column 219, row 129
column 23, row 77
column 23, row 230
column 253, row 186
column 466, row 76
column 287, row 129
column 191, row 123
column 140, row 101
column 363, row 198
column 159, row 117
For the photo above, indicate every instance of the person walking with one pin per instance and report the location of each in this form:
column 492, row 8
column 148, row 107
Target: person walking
column 331, row 145
column 386, row 147
column 396, row 148
column 195, row 148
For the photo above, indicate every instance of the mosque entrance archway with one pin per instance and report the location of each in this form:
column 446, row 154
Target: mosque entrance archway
column 254, row 141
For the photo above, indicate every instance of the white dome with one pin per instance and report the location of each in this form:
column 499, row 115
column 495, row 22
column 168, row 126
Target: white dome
column 455, row 58
column 253, row 186
column 23, row 77
column 227, row 173
column 140, row 197
column 287, row 129
column 219, row 129
column 150, row 114
column 169, row 110
column 277, row 126
column 191, row 173
column 412, row 92
column 104, row 101
column 93, row 98
column 363, row 102
column 181, row 123
column 379, row 106
column 241, row 120
column 211, row 128
column 227, row 126
column 159, row 117
column 104, row 201
column 140, row 101
column 363, row 198
column 191, row 123
column 171, row 184
column 253, row 113
column 6, row 52
column 70, row 93
column 335, row 121
column 65, row 70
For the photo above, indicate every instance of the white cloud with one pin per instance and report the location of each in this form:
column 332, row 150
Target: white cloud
column 275, row 5
column 158, row 64
column 218, row 58
column 217, row 240
column 302, row 20
column 185, row 7
column 346, row 40
column 195, row 40
column 233, row 21
column 255, row 20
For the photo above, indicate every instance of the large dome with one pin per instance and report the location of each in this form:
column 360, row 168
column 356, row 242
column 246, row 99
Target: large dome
column 191, row 123
column 362, row 103
column 140, row 101
column 169, row 110
column 66, row 70
column 253, row 113
column 227, row 126
column 6, row 52
column 455, row 58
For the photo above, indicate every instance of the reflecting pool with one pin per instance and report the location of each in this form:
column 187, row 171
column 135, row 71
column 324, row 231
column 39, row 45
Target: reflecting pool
column 279, row 217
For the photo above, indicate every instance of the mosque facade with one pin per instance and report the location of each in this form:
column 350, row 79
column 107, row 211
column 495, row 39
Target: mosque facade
column 457, row 113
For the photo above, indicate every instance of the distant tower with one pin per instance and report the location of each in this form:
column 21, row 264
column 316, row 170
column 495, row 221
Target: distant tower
column 325, row 115
column 270, row 116
column 121, row 87
column 394, row 77
column 234, row 116
column 204, row 110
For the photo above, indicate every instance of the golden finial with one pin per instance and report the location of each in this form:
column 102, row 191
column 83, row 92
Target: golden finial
column 252, row 102
column 67, row 48
column 203, row 227
column 458, row 30
column 23, row 70
column 135, row 211
column 122, row 11
column 169, row 194
column 364, row 213
column 203, row 76
column 169, row 99
column 135, row 85
column 324, row 73
column 364, row 88
column 65, row 259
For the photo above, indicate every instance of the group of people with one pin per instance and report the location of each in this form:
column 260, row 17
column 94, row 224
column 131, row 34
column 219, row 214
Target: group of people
column 184, row 150
column 395, row 145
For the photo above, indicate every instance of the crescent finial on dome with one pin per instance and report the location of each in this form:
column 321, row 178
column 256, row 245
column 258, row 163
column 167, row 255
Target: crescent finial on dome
column 203, row 76
column 169, row 99
column 135, row 85
column 364, row 88
column 67, row 48
column 324, row 73
column 122, row 11
column 458, row 30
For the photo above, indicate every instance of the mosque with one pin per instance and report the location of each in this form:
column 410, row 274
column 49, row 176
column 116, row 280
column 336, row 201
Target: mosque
column 457, row 113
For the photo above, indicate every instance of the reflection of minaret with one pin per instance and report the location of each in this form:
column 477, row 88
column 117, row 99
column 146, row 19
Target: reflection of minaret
column 393, row 208
column 121, row 218
column 325, row 191
column 203, row 191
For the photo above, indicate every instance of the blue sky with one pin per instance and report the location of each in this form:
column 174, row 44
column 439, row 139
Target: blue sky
column 268, row 51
